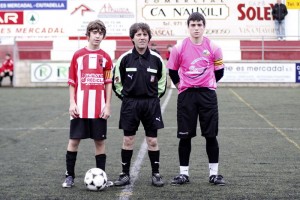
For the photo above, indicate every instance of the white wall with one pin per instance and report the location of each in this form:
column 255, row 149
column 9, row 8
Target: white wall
column 292, row 27
column 63, row 49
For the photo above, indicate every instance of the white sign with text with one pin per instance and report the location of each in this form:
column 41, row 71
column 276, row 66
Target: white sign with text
column 259, row 72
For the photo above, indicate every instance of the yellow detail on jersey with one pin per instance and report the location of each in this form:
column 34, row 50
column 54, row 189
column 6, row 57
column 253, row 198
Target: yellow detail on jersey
column 107, row 74
column 218, row 62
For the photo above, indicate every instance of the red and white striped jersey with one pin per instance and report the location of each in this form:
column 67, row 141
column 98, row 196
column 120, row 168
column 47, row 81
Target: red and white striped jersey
column 89, row 72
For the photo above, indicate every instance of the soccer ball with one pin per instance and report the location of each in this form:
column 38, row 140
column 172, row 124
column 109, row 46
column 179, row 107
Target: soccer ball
column 95, row 179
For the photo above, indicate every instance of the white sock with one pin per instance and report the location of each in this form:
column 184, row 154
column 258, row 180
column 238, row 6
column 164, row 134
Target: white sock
column 184, row 170
column 213, row 168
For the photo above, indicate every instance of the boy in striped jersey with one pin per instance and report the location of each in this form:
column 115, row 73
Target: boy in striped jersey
column 90, row 88
column 195, row 67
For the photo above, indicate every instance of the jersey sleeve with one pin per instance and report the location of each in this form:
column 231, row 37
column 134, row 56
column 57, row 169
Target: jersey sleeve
column 72, row 80
column 217, row 56
column 173, row 59
column 108, row 70
column 117, row 79
column 162, row 82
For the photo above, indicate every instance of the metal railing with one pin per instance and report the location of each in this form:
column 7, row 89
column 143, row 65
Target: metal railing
column 232, row 46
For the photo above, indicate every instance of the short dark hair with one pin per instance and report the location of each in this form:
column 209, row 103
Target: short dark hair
column 8, row 54
column 196, row 16
column 96, row 24
column 139, row 26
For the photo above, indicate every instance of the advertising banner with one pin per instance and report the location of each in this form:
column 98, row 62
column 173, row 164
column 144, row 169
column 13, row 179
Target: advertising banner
column 167, row 18
column 293, row 4
column 69, row 20
column 259, row 73
column 49, row 72
column 224, row 17
column 234, row 72
column 297, row 72
column 117, row 16
column 33, row 5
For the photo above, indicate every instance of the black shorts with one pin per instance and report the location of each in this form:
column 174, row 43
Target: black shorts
column 196, row 102
column 88, row 128
column 6, row 74
column 145, row 110
column 149, row 133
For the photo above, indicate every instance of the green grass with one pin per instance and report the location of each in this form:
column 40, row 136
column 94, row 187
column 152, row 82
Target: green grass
column 258, row 138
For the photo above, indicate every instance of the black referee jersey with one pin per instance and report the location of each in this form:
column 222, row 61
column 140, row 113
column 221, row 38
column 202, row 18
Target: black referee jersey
column 139, row 76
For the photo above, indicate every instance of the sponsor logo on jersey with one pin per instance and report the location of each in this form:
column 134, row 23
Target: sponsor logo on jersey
column 92, row 79
column 206, row 52
column 117, row 79
column 130, row 76
column 152, row 79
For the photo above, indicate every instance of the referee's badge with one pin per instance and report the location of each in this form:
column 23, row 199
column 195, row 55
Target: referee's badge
column 117, row 79
column 152, row 79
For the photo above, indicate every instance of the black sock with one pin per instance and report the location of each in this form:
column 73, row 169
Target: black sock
column 184, row 151
column 70, row 162
column 100, row 161
column 11, row 79
column 126, row 159
column 154, row 159
column 212, row 150
column 1, row 80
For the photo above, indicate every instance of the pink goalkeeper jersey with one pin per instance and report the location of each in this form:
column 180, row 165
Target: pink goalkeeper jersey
column 89, row 72
column 196, row 63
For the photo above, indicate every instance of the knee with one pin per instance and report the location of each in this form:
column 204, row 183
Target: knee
column 212, row 142
column 185, row 142
column 99, row 143
column 152, row 144
column 73, row 144
column 128, row 142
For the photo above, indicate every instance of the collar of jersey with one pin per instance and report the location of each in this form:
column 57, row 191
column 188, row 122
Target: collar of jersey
column 137, row 55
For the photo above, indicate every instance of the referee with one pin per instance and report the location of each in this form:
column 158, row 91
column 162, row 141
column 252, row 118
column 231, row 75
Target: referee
column 139, row 80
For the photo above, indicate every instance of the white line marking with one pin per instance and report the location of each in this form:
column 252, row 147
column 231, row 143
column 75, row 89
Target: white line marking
column 266, row 120
column 134, row 172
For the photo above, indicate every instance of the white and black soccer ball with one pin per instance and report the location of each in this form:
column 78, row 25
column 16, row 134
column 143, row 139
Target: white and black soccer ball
column 95, row 179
